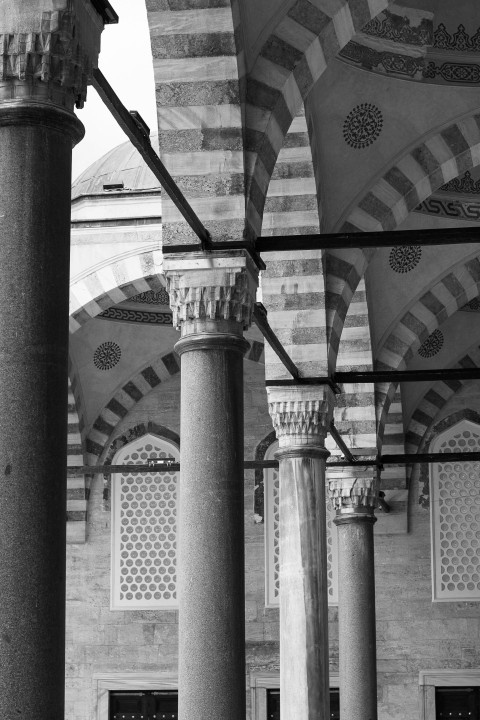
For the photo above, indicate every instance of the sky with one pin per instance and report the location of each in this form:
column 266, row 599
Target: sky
column 126, row 61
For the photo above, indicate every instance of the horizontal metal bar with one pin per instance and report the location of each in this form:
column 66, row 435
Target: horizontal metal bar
column 407, row 459
column 376, row 376
column 415, row 458
column 260, row 319
column 389, row 238
column 141, row 141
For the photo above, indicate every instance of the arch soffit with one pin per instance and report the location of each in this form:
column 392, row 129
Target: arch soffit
column 291, row 60
column 441, row 156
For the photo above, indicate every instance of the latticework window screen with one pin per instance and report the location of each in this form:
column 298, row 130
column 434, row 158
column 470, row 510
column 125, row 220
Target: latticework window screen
column 144, row 532
column 272, row 541
column 455, row 516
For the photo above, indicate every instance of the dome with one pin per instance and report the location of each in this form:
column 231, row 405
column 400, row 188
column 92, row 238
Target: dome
column 122, row 164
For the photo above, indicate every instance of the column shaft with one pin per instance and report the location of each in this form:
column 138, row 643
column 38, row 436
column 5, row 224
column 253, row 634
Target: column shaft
column 211, row 296
column 211, row 530
column 35, row 177
column 304, row 682
column 356, row 618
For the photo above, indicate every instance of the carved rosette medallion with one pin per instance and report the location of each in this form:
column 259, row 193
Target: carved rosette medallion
column 300, row 416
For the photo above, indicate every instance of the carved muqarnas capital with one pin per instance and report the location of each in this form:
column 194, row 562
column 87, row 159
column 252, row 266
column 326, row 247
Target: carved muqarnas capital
column 50, row 58
column 216, row 289
column 360, row 492
column 300, row 416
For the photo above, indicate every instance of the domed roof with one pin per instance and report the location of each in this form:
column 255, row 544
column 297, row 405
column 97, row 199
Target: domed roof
column 122, row 164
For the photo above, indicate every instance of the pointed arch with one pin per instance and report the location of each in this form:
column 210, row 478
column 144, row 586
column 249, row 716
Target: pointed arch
column 414, row 176
column 457, row 287
column 292, row 59
column 113, row 283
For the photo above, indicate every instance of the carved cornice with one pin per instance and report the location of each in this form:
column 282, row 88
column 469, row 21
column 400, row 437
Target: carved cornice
column 354, row 493
column 459, row 41
column 450, row 208
column 390, row 26
column 217, row 288
column 50, row 58
column 465, row 185
column 300, row 416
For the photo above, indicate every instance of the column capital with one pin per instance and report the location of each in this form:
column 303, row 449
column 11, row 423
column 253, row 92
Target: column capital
column 47, row 51
column 301, row 415
column 353, row 493
column 211, row 292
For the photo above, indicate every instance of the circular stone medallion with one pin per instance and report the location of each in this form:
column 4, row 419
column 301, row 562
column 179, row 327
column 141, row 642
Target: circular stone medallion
column 404, row 258
column 432, row 345
column 107, row 355
column 362, row 126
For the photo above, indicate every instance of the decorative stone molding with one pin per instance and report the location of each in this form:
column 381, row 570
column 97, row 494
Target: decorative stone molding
column 354, row 493
column 400, row 29
column 300, row 415
column 49, row 57
column 219, row 286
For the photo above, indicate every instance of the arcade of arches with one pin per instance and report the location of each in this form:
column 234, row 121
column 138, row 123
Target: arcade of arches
column 274, row 118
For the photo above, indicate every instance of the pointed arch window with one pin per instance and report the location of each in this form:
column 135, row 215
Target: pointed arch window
column 144, row 529
column 272, row 539
column 455, row 516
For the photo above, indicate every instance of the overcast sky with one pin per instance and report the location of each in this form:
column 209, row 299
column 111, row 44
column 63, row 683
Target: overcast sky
column 128, row 69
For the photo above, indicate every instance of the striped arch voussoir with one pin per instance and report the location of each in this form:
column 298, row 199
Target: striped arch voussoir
column 435, row 400
column 290, row 62
column 442, row 156
column 140, row 385
column 77, row 486
column 113, row 284
column 442, row 300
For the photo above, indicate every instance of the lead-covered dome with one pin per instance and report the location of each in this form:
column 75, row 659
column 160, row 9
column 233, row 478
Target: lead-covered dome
column 124, row 165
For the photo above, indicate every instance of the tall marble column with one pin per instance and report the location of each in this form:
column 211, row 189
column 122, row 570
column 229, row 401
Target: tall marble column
column 212, row 300
column 355, row 499
column 46, row 48
column 301, row 417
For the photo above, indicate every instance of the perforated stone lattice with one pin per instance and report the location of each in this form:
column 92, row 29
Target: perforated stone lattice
column 457, row 522
column 107, row 355
column 362, row 126
column 432, row 345
column 331, row 547
column 147, row 548
column 404, row 258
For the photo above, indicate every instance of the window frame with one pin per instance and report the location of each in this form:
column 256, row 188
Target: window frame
column 261, row 682
column 106, row 682
column 115, row 605
column 428, row 680
column 435, row 446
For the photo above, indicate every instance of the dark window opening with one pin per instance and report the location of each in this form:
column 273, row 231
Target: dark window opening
column 273, row 705
column 461, row 703
column 143, row 705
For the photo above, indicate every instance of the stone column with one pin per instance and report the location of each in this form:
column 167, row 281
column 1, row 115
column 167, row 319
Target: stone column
column 355, row 499
column 46, row 49
column 212, row 299
column 301, row 417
